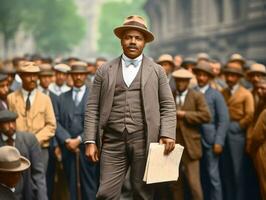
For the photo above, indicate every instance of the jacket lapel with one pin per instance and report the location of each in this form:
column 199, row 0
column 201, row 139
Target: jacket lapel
column 188, row 100
column 146, row 70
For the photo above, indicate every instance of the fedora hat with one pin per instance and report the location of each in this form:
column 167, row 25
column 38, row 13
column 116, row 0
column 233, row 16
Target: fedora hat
column 134, row 22
column 79, row 67
column 11, row 160
column 188, row 61
column 257, row 68
column 46, row 70
column 235, row 69
column 205, row 67
column 28, row 67
column 237, row 57
column 182, row 74
column 203, row 56
column 166, row 58
column 6, row 116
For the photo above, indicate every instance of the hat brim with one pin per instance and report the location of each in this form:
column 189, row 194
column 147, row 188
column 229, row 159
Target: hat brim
column 29, row 72
column 254, row 71
column 46, row 73
column 233, row 71
column 78, row 72
column 161, row 61
column 25, row 164
column 119, row 32
column 195, row 70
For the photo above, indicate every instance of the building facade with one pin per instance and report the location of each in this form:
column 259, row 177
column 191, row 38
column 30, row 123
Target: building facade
column 218, row 27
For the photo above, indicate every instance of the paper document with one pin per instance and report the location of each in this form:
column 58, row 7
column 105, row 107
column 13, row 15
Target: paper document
column 160, row 167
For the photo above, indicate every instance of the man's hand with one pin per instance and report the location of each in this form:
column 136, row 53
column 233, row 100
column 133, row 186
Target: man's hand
column 169, row 144
column 217, row 149
column 72, row 144
column 92, row 152
column 58, row 153
column 180, row 114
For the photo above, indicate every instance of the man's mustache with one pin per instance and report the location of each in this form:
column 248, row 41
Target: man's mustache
column 131, row 46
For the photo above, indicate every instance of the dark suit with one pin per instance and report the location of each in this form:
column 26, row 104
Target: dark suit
column 212, row 133
column 188, row 135
column 6, row 193
column 32, row 186
column 70, row 124
column 159, row 120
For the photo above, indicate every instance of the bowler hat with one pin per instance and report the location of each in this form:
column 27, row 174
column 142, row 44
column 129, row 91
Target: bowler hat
column 28, row 67
column 11, row 160
column 3, row 76
column 79, row 67
column 257, row 68
column 166, row 58
column 182, row 74
column 6, row 116
column 134, row 22
column 205, row 67
column 46, row 70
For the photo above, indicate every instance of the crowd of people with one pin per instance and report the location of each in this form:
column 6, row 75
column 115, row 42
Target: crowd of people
column 52, row 112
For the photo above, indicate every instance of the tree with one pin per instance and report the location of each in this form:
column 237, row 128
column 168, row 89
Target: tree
column 112, row 15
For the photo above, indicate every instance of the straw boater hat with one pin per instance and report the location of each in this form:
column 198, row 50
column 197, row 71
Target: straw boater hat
column 257, row 68
column 78, row 67
column 182, row 74
column 134, row 22
column 11, row 160
column 46, row 70
column 205, row 67
column 166, row 58
column 28, row 67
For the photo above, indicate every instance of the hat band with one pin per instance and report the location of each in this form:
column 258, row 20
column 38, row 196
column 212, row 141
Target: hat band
column 10, row 164
column 134, row 23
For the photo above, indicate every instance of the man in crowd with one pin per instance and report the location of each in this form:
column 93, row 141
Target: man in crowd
column 10, row 174
column 32, row 186
column 130, row 107
column 70, row 135
column 59, row 86
column 213, row 133
column 241, row 109
column 191, row 110
column 167, row 62
column 4, row 88
column 34, row 109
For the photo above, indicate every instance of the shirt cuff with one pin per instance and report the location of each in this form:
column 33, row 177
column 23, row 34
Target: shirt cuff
column 89, row 142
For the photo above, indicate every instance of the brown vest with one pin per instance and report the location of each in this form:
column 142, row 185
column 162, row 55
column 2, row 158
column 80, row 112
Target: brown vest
column 127, row 110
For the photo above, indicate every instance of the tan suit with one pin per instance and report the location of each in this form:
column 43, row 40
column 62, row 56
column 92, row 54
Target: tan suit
column 258, row 143
column 188, row 135
column 40, row 119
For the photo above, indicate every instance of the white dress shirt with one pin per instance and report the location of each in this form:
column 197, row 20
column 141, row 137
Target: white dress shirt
column 234, row 89
column 5, row 138
column 32, row 95
column 80, row 94
column 181, row 98
column 204, row 88
column 130, row 68
column 57, row 89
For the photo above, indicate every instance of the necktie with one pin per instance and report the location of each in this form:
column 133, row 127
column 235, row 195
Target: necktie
column 129, row 62
column 10, row 141
column 76, row 99
column 28, row 102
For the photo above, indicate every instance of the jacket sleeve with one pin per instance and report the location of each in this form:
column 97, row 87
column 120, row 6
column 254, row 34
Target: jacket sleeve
column 48, row 131
column 201, row 114
column 167, row 107
column 37, row 169
column 248, row 111
column 222, row 119
column 92, row 113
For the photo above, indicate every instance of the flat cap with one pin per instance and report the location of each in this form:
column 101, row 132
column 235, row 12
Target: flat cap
column 6, row 116
column 182, row 74
column 166, row 58
column 61, row 67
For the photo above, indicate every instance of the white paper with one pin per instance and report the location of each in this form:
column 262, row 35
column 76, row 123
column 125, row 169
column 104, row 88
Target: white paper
column 160, row 167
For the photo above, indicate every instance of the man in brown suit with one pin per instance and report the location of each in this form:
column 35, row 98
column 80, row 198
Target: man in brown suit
column 241, row 109
column 34, row 109
column 130, row 106
column 192, row 110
